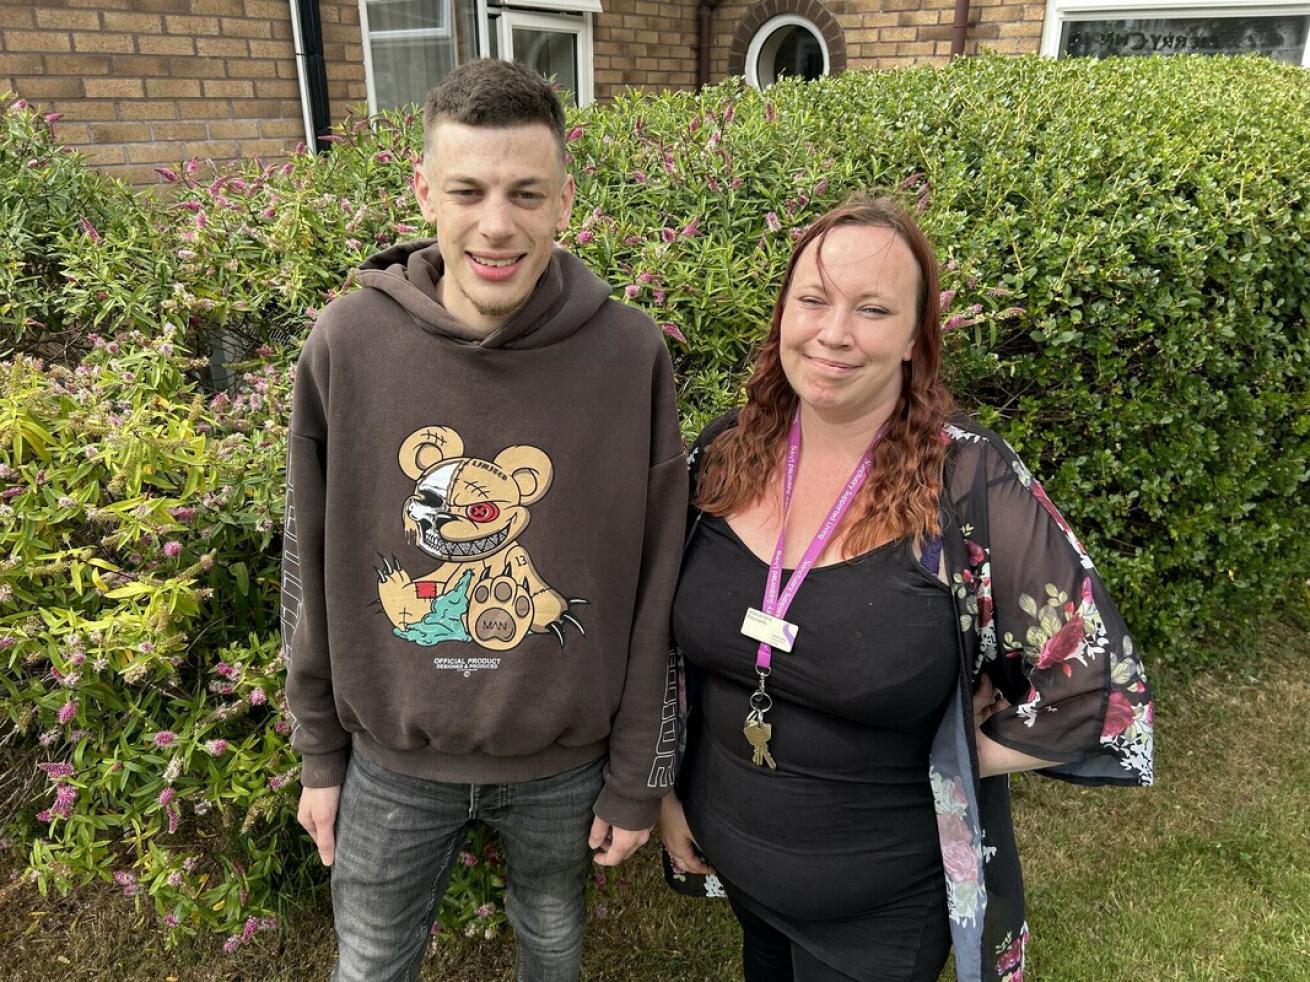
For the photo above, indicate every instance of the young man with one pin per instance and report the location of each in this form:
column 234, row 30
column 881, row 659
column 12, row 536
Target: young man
column 485, row 502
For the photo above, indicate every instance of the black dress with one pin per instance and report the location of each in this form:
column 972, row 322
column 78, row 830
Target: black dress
column 837, row 848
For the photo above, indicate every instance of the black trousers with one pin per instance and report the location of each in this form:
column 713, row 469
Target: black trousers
column 768, row 955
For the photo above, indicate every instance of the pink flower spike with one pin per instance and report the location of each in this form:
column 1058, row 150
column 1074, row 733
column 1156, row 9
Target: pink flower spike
column 65, row 799
column 668, row 235
column 585, row 236
column 191, row 166
column 772, row 221
column 945, row 297
column 631, row 290
column 52, row 118
column 67, row 712
column 231, row 945
column 257, row 697
column 57, row 769
column 167, row 173
column 573, row 134
column 90, row 230
column 672, row 331
column 166, row 796
column 164, row 738
column 172, row 549
column 216, row 748
column 170, row 920
column 690, row 229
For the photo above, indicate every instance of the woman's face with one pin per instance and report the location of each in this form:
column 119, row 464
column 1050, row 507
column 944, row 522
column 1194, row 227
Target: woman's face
column 848, row 326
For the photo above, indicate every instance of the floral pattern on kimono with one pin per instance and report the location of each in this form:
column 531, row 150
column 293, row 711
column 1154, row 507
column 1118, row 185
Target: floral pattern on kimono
column 1035, row 616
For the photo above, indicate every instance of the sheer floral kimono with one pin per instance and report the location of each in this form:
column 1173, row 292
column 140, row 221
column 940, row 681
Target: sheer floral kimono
column 1034, row 615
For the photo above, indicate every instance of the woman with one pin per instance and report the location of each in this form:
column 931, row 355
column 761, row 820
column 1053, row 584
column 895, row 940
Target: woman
column 947, row 629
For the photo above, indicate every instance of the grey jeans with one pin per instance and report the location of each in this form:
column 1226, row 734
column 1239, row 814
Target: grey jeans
column 397, row 838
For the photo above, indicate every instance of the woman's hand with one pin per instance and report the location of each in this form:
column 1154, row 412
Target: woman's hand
column 993, row 758
column 987, row 701
column 675, row 833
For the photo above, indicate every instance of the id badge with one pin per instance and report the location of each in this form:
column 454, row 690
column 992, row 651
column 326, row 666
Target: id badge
column 770, row 630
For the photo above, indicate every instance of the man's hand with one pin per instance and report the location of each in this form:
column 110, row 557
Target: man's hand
column 676, row 836
column 615, row 844
column 318, row 814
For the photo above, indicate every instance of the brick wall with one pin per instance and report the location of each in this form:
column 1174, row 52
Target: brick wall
column 891, row 33
column 145, row 83
column 645, row 44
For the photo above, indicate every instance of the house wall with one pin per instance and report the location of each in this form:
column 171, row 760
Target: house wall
column 147, row 83
column 645, row 44
column 889, row 33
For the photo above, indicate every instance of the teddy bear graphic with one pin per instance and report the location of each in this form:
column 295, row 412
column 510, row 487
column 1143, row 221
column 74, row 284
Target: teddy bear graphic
column 468, row 514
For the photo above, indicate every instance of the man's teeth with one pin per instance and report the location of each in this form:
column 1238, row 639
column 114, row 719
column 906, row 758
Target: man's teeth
column 495, row 263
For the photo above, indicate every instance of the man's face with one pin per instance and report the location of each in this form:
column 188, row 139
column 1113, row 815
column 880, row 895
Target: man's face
column 497, row 197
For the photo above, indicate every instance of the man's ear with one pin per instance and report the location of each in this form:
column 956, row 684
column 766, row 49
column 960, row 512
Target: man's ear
column 424, row 191
column 566, row 203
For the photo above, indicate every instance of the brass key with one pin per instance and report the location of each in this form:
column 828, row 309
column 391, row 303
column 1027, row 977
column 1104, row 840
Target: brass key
column 758, row 734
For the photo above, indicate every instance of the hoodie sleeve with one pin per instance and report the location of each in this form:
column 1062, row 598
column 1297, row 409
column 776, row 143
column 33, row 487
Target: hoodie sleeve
column 642, row 736
column 316, row 731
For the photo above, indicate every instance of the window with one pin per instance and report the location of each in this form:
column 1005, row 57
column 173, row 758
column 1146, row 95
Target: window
column 787, row 46
column 1100, row 28
column 412, row 44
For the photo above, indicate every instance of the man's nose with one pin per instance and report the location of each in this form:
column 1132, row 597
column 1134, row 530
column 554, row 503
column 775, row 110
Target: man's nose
column 494, row 222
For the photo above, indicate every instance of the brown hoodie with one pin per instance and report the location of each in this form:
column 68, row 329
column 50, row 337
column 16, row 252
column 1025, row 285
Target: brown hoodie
column 483, row 536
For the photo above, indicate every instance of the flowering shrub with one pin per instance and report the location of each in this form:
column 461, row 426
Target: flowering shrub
column 1124, row 247
column 77, row 251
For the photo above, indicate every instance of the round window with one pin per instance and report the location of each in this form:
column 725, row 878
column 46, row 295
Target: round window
column 788, row 46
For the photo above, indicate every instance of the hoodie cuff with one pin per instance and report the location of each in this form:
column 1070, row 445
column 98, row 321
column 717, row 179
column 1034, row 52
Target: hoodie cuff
column 324, row 770
column 632, row 814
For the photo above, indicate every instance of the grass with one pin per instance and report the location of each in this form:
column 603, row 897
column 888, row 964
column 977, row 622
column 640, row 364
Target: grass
column 1205, row 877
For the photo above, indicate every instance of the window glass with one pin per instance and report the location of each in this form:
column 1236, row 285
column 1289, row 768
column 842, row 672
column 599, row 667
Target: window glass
column 795, row 52
column 1281, row 38
column 408, row 15
column 552, row 53
column 404, row 69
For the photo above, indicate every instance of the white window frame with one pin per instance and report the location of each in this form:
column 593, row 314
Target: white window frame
column 533, row 14
column 579, row 26
column 771, row 27
column 1060, row 12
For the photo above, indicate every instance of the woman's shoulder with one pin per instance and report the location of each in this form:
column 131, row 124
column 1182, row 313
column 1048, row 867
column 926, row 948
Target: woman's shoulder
column 967, row 438
column 712, row 430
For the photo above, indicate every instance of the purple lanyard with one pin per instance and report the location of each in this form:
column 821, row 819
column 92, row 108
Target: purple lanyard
column 775, row 605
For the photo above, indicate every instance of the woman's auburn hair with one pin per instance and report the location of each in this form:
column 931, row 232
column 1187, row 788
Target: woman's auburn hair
column 901, row 496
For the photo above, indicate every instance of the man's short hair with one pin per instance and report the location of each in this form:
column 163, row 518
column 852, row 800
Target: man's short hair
column 493, row 92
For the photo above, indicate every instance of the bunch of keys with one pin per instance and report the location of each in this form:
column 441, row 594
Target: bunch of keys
column 757, row 732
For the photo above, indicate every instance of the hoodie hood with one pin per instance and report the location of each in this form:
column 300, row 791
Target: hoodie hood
column 566, row 297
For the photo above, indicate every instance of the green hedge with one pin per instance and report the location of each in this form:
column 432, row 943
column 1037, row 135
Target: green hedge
column 1126, row 247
